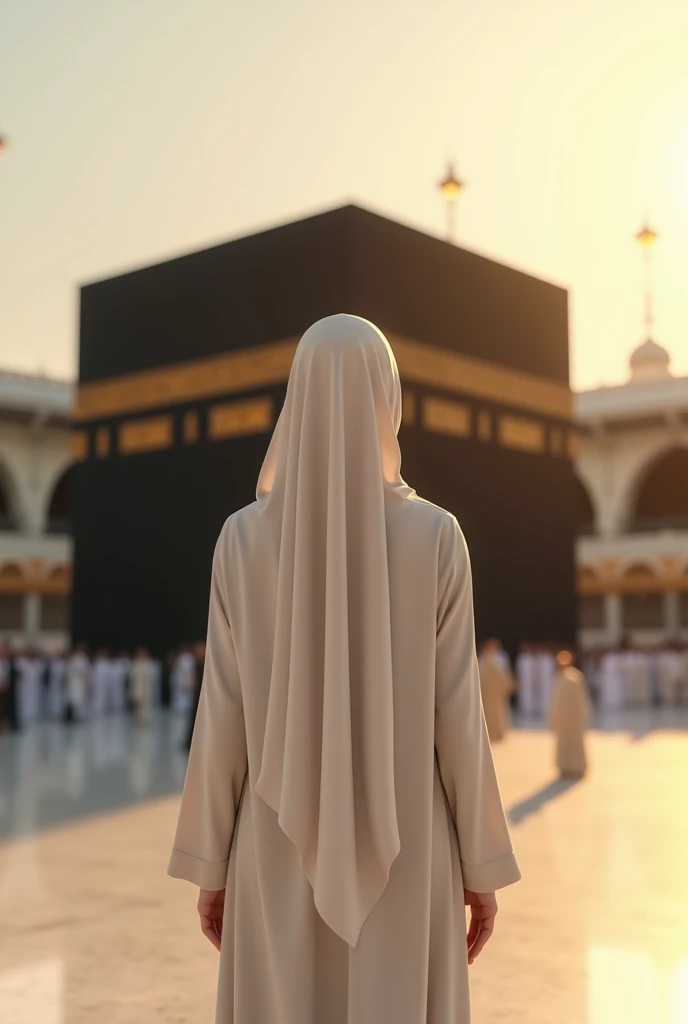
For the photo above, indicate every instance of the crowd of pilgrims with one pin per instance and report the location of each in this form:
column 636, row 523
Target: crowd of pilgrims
column 623, row 677
column 75, row 686
column 545, row 685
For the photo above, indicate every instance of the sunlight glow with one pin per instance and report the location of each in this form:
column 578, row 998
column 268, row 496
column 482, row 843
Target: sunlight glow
column 622, row 986
column 34, row 994
column 678, row 994
column 677, row 157
column 627, row 985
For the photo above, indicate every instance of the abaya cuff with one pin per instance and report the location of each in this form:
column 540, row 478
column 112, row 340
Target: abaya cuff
column 205, row 874
column 494, row 874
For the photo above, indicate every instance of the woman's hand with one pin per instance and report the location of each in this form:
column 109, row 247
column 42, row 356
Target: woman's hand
column 483, row 911
column 211, row 908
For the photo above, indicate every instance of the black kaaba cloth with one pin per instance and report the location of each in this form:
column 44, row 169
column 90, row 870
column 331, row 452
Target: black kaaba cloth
column 182, row 372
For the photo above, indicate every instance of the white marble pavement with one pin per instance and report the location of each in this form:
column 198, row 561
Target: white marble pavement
column 92, row 929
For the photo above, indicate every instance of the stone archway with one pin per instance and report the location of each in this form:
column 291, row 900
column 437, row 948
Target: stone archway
column 8, row 510
column 642, row 598
column 660, row 501
column 12, row 590
column 59, row 514
column 591, row 598
column 587, row 518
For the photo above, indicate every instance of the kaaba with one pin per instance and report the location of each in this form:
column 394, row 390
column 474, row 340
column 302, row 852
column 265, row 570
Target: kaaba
column 182, row 371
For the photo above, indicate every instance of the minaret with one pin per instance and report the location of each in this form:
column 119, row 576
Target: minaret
column 450, row 188
column 649, row 361
column 647, row 238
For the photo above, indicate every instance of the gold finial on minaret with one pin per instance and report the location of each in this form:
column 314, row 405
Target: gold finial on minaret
column 450, row 188
column 649, row 361
column 646, row 237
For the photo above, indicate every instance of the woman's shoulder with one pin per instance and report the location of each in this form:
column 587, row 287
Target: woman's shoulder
column 242, row 528
column 446, row 540
column 236, row 524
column 444, row 520
column 434, row 527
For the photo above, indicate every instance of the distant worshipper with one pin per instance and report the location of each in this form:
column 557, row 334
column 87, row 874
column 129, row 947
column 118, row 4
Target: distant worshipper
column 526, row 671
column 637, row 681
column 45, row 685
column 642, row 674
column 101, row 672
column 120, row 670
column 545, row 669
column 56, row 670
column 496, row 684
column 143, row 679
column 627, row 658
column 671, row 673
column 11, row 674
column 30, row 688
column 166, row 678
column 157, row 681
column 4, row 679
column 341, row 803
column 590, row 667
column 569, row 717
column 77, row 684
column 611, row 694
column 183, row 680
column 502, row 657
column 682, row 688
column 199, row 666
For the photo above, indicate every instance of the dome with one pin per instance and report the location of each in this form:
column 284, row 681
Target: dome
column 650, row 361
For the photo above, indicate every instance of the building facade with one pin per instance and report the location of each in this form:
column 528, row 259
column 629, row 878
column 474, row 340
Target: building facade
column 35, row 509
column 632, row 551
column 632, row 472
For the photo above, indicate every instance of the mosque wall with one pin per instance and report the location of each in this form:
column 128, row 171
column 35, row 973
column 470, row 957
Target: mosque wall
column 633, row 563
column 35, row 540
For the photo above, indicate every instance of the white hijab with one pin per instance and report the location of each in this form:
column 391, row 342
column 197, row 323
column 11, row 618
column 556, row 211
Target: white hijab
column 328, row 756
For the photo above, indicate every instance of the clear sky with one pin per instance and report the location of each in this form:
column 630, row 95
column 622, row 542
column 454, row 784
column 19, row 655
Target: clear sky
column 140, row 129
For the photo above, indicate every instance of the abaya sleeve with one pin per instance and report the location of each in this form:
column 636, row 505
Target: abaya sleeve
column 218, row 765
column 461, row 741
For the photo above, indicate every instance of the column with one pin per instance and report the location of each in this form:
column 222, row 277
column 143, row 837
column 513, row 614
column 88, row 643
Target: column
column 32, row 619
column 612, row 618
column 672, row 624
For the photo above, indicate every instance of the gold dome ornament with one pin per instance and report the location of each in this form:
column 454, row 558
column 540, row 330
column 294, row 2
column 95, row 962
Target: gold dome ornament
column 646, row 236
column 450, row 187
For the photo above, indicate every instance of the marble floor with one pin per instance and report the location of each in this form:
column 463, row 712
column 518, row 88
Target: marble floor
column 93, row 930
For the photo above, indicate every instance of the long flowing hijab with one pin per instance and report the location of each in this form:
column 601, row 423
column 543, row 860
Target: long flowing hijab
column 332, row 467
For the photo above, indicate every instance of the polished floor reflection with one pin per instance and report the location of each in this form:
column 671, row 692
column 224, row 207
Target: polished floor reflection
column 92, row 929
column 53, row 773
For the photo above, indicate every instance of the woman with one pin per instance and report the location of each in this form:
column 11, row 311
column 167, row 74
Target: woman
column 78, row 684
column 496, row 686
column 199, row 665
column 340, row 804
column 166, row 679
column 4, row 685
column 142, row 685
column 569, row 717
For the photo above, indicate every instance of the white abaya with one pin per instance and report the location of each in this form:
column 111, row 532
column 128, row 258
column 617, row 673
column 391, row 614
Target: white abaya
column 340, row 783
